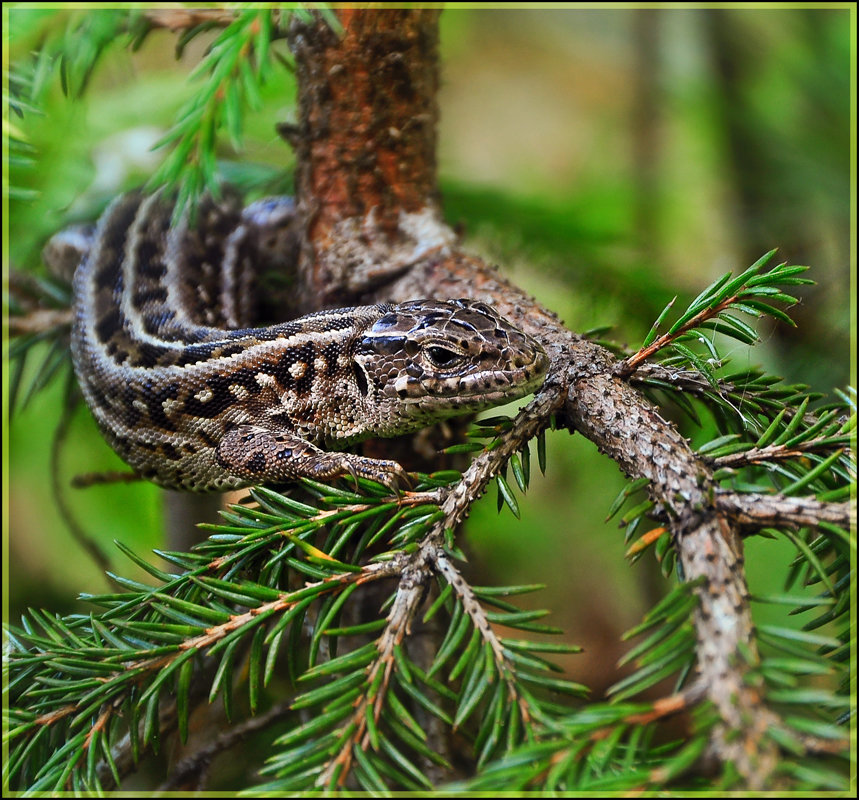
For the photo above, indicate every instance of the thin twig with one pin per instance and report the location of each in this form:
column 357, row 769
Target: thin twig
column 659, row 709
column 192, row 765
column 39, row 321
column 409, row 595
column 629, row 365
column 88, row 479
column 756, row 455
column 527, row 424
column 816, row 744
column 481, row 623
column 59, row 438
column 178, row 19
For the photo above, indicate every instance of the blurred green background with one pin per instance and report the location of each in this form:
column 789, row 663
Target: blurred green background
column 605, row 159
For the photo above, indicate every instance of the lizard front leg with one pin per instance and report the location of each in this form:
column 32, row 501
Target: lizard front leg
column 263, row 455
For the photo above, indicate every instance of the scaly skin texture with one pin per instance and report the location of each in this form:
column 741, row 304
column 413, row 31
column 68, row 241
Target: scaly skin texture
column 192, row 406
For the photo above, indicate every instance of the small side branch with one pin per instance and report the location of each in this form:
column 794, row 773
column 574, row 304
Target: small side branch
column 629, row 365
column 180, row 19
column 757, row 455
column 191, row 767
column 685, row 380
column 530, row 421
column 88, row 479
column 767, row 511
column 661, row 709
column 410, row 593
column 77, row 531
column 480, row 621
column 39, row 321
column 123, row 668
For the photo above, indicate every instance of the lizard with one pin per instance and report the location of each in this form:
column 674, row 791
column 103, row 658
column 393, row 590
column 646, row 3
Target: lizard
column 192, row 399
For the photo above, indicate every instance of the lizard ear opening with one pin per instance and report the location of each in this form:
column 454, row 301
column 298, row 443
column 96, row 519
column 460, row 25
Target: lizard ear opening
column 360, row 378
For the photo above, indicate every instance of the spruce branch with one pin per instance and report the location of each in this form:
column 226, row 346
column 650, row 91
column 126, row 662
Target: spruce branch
column 757, row 455
column 364, row 737
column 232, row 72
column 151, row 638
column 131, row 661
column 77, row 46
column 750, row 292
column 480, row 622
column 681, row 487
column 528, row 424
column 369, row 708
column 755, row 511
column 601, row 748
column 428, row 559
column 234, row 68
column 356, row 254
column 748, row 397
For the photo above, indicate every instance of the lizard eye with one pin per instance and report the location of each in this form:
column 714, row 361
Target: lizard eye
column 442, row 357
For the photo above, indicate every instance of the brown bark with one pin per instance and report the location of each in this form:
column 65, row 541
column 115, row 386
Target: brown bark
column 366, row 138
column 367, row 189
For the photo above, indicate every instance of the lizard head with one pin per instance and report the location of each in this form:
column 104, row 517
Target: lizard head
column 428, row 359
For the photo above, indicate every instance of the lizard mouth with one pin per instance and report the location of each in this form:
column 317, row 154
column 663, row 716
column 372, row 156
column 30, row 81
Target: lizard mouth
column 473, row 392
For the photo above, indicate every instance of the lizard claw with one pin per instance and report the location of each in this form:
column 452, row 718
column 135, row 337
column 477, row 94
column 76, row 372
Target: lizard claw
column 396, row 479
column 351, row 470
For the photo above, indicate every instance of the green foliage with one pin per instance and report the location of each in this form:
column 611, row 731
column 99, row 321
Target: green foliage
column 669, row 648
column 233, row 70
column 750, row 292
column 19, row 153
column 755, row 414
column 197, row 630
column 69, row 44
column 230, row 78
column 602, row 748
column 49, row 346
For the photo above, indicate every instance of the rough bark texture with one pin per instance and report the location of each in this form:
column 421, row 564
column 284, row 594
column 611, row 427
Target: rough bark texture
column 367, row 188
column 366, row 138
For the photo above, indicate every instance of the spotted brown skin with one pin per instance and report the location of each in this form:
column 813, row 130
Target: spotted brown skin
column 195, row 405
